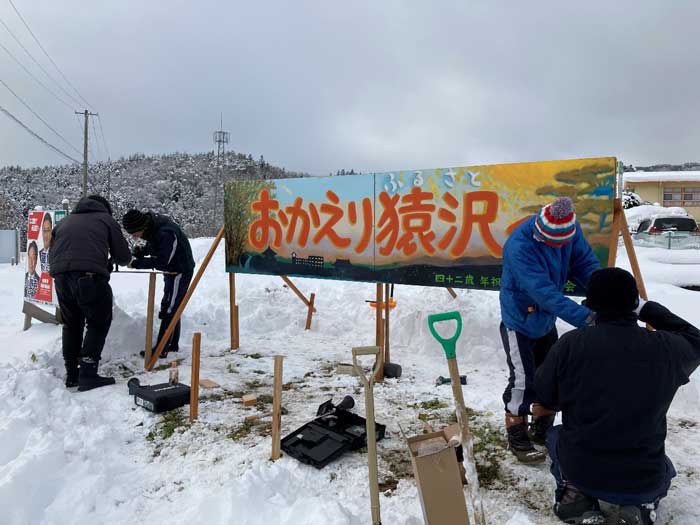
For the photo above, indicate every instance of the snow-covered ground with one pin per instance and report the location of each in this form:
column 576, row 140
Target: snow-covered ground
column 94, row 457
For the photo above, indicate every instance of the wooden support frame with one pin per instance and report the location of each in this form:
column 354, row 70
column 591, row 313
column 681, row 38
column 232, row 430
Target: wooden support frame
column 32, row 311
column 310, row 313
column 194, row 383
column 387, row 309
column 380, row 330
column 233, row 312
column 148, row 347
column 183, row 304
column 620, row 226
column 277, row 408
column 308, row 302
column 451, row 292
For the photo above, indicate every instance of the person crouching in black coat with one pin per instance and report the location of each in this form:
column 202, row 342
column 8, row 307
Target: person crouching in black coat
column 81, row 246
column 167, row 250
column 614, row 383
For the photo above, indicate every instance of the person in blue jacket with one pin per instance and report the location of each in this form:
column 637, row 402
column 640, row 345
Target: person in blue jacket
column 538, row 258
column 167, row 250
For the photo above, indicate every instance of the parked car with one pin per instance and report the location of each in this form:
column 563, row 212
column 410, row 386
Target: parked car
column 659, row 224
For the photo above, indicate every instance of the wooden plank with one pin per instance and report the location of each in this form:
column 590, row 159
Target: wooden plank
column 148, row 347
column 277, row 407
column 380, row 330
column 452, row 293
column 208, row 384
column 183, row 305
column 387, row 308
column 632, row 255
column 310, row 313
column 35, row 312
column 617, row 221
column 194, row 383
column 300, row 295
column 233, row 311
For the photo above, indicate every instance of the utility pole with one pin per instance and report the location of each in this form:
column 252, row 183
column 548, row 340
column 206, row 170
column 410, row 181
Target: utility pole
column 87, row 114
column 221, row 138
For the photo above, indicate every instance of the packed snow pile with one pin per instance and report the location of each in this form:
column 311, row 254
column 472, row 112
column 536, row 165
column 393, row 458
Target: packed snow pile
column 637, row 214
column 95, row 457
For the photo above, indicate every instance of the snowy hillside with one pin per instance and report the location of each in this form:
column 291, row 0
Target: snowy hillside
column 94, row 457
column 184, row 186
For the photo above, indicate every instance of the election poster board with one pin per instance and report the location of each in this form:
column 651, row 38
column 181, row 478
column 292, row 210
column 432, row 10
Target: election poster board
column 38, row 284
column 435, row 227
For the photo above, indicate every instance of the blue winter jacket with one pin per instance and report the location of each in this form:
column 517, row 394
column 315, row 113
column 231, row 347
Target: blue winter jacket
column 533, row 279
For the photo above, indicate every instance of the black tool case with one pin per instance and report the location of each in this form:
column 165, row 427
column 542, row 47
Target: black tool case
column 161, row 397
column 326, row 438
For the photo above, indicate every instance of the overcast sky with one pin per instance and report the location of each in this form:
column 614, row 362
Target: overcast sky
column 376, row 85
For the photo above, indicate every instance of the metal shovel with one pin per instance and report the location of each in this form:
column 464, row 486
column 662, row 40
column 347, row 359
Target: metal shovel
column 371, row 426
column 450, row 348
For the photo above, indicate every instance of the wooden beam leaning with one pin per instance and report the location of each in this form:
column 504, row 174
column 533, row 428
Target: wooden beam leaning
column 629, row 247
column 452, row 292
column 183, row 305
column 387, row 307
column 300, row 295
column 310, row 313
column 194, row 383
column 148, row 348
column 380, row 329
column 233, row 312
column 617, row 221
column 277, row 408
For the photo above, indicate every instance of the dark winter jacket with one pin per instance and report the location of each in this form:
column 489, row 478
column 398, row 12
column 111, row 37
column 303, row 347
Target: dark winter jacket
column 614, row 383
column 85, row 240
column 533, row 279
column 167, row 248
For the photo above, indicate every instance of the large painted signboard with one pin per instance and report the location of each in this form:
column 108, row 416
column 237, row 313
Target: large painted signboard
column 436, row 227
column 38, row 284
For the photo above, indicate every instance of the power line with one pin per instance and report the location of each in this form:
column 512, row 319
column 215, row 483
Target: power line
column 99, row 119
column 37, row 116
column 96, row 141
column 36, row 136
column 47, row 54
column 38, row 64
column 35, row 79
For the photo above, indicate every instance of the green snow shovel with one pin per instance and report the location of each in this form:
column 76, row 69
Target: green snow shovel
column 369, row 418
column 450, row 347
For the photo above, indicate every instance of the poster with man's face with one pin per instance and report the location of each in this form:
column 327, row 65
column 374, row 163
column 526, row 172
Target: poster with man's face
column 38, row 284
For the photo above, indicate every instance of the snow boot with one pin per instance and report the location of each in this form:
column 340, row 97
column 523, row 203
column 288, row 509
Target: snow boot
column 577, row 508
column 88, row 378
column 633, row 515
column 519, row 442
column 542, row 421
column 72, row 378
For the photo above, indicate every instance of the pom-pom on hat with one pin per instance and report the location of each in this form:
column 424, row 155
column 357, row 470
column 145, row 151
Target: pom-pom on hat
column 555, row 225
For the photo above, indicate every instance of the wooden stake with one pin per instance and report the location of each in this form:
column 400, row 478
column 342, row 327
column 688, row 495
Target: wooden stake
column 148, row 348
column 629, row 247
column 380, row 330
column 617, row 220
column 310, row 313
column 233, row 311
column 296, row 290
column 387, row 355
column 277, row 407
column 452, row 293
column 194, row 384
column 183, row 304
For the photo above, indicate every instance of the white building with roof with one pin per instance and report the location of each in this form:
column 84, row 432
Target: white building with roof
column 668, row 188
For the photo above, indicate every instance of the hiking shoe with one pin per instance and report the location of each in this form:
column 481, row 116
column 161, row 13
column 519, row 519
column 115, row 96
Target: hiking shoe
column 633, row 515
column 88, row 378
column 539, row 427
column 72, row 378
column 519, row 444
column 577, row 508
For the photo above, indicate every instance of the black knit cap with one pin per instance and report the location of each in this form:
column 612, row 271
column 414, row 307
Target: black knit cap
column 134, row 221
column 612, row 291
column 103, row 201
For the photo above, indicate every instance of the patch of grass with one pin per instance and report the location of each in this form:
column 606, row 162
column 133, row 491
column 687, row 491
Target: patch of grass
column 432, row 404
column 490, row 448
column 265, row 399
column 256, row 355
column 293, row 385
column 259, row 372
column 261, row 428
column 427, row 417
column 222, row 395
column 230, row 369
column 686, row 423
column 34, row 358
column 171, row 421
column 254, row 384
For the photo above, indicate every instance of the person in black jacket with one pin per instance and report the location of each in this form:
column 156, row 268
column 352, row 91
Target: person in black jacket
column 614, row 383
column 167, row 250
column 81, row 246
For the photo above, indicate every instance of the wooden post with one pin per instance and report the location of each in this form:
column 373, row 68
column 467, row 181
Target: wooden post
column 452, row 293
column 277, row 408
column 27, row 322
column 300, row 295
column 629, row 247
column 148, row 348
column 194, row 383
column 618, row 213
column 387, row 307
column 233, row 312
column 380, row 330
column 183, row 304
column 310, row 313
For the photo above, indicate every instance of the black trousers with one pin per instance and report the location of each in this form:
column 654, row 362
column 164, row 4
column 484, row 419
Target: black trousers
column 86, row 308
column 175, row 289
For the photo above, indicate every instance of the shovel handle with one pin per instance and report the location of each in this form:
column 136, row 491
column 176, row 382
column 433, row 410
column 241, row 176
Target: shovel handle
column 449, row 345
column 367, row 350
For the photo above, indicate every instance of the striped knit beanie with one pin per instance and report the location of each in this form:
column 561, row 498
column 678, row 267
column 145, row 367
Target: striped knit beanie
column 555, row 225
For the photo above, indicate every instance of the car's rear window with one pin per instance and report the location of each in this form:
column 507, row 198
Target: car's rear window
column 680, row 224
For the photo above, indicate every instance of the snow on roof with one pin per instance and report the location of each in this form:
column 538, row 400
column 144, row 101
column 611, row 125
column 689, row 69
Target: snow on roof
column 661, row 176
